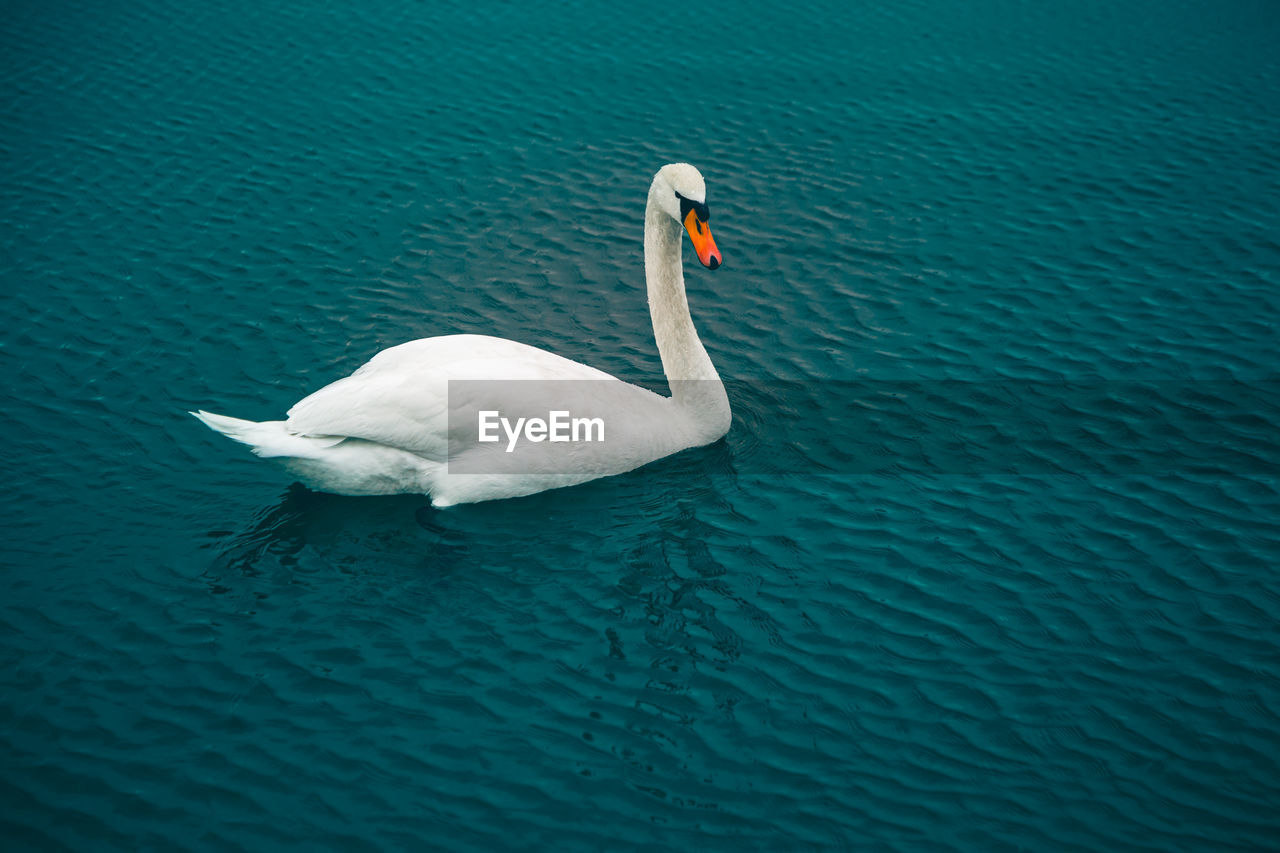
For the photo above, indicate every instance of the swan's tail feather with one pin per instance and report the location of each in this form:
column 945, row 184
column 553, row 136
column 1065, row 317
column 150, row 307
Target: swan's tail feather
column 267, row 438
column 242, row 431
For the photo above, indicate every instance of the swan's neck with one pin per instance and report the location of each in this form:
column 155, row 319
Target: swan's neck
column 683, row 356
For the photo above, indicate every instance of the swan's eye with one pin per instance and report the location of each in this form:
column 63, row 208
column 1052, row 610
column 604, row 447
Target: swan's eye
column 699, row 208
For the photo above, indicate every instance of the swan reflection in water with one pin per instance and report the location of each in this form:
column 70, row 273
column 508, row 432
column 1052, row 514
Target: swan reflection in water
column 408, row 531
column 621, row 533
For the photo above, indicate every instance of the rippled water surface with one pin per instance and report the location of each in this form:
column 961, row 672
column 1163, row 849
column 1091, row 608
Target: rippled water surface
column 987, row 561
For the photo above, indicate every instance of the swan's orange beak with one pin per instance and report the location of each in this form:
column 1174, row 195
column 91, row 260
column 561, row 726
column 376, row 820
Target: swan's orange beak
column 703, row 243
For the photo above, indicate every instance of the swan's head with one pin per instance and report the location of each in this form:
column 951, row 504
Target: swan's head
column 682, row 193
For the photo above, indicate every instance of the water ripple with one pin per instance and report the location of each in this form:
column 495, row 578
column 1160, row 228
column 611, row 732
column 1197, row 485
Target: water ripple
column 798, row 639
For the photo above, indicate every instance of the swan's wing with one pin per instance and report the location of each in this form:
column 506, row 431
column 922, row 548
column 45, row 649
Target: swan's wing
column 389, row 407
column 401, row 396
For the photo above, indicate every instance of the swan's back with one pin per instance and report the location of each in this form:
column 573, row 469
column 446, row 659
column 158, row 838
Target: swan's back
column 400, row 397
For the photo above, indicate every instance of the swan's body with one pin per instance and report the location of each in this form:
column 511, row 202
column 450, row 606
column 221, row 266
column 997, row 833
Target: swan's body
column 398, row 426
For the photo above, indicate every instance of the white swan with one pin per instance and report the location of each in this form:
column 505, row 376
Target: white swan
column 408, row 420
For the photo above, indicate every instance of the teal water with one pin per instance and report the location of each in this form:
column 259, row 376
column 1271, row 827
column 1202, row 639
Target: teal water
column 987, row 561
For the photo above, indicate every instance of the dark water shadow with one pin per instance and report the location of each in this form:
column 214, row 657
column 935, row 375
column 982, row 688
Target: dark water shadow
column 279, row 535
column 663, row 546
column 554, row 529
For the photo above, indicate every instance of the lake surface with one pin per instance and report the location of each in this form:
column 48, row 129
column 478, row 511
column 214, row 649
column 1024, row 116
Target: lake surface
column 986, row 562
